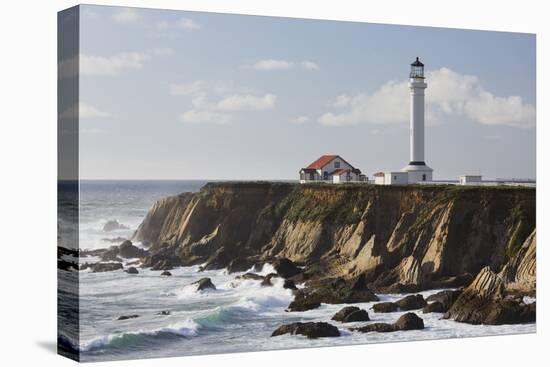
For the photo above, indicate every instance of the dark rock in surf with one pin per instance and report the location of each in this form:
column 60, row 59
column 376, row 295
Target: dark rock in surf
column 434, row 307
column 163, row 313
column 132, row 270
column 446, row 298
column 239, row 264
column 166, row 273
column 351, row 314
column 103, row 267
column 408, row 321
column 289, row 284
column 266, row 282
column 250, row 276
column 385, row 307
column 128, row 250
column 126, row 317
column 286, row 268
column 411, row 302
column 331, row 291
column 312, row 330
column 204, row 283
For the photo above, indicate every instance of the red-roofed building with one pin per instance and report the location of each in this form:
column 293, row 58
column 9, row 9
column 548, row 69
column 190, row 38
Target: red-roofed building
column 330, row 168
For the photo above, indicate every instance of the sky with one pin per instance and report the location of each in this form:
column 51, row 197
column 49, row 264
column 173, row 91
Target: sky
column 187, row 95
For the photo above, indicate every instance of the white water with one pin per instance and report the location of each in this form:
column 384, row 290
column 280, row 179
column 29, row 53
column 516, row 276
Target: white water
column 238, row 316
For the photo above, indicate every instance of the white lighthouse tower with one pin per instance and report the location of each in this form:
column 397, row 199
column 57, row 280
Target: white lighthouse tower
column 417, row 169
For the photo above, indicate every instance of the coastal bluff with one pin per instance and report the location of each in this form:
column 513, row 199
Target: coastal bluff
column 396, row 238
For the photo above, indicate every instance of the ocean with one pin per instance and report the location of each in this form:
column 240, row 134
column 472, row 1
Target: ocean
column 238, row 316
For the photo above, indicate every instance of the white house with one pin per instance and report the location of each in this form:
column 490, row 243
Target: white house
column 469, row 179
column 330, row 168
column 392, row 178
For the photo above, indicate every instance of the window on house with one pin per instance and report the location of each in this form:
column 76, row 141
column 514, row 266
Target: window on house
column 423, row 177
column 395, row 178
column 325, row 176
column 336, row 164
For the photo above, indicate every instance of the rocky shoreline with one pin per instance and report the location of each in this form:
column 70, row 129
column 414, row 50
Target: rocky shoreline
column 345, row 245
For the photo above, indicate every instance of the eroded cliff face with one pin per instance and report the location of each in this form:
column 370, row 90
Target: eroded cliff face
column 397, row 238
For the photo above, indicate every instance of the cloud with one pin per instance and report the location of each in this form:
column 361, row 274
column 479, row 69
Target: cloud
column 83, row 111
column 189, row 24
column 299, row 120
column 205, row 117
column 186, row 89
column 449, row 95
column 127, row 16
column 247, row 102
column 112, row 65
column 271, row 64
column 207, row 111
column 309, row 65
column 163, row 51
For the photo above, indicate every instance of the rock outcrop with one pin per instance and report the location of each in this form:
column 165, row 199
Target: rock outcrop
column 497, row 298
column 408, row 321
column 401, row 239
column 204, row 283
column 311, row 330
column 351, row 314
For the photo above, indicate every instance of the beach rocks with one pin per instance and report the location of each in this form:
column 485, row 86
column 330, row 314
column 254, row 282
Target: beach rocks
column 434, row 307
column 251, row 276
column 410, row 302
column 204, row 283
column 311, row 330
column 351, row 314
column 126, row 317
column 163, row 313
column 132, row 270
column 332, row 291
column 240, row 264
column 111, row 254
column 113, row 225
column 385, row 307
column 286, row 268
column 266, row 282
column 128, row 250
column 408, row 321
column 162, row 257
column 442, row 301
column 166, row 273
column 102, row 267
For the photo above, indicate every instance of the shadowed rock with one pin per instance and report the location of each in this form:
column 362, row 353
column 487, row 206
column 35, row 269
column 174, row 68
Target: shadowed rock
column 351, row 314
column 385, row 307
column 446, row 298
column 204, row 283
column 289, row 284
column 132, row 270
column 311, row 330
column 408, row 321
column 252, row 276
column 286, row 268
column 103, row 267
column 331, row 291
column 434, row 307
column 166, row 273
column 411, row 302
column 126, row 317
column 266, row 282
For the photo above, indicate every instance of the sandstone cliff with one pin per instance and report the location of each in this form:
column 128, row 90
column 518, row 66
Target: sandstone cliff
column 395, row 238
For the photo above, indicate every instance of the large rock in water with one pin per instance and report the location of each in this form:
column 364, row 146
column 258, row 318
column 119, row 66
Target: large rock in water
column 162, row 257
column 204, row 283
column 445, row 298
column 434, row 307
column 351, row 314
column 385, row 307
column 240, row 264
column 128, row 250
column 132, row 270
column 332, row 291
column 411, row 302
column 408, row 321
column 310, row 329
column 286, row 268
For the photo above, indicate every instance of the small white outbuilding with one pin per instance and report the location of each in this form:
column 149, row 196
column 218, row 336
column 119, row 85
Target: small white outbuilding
column 393, row 178
column 469, row 179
